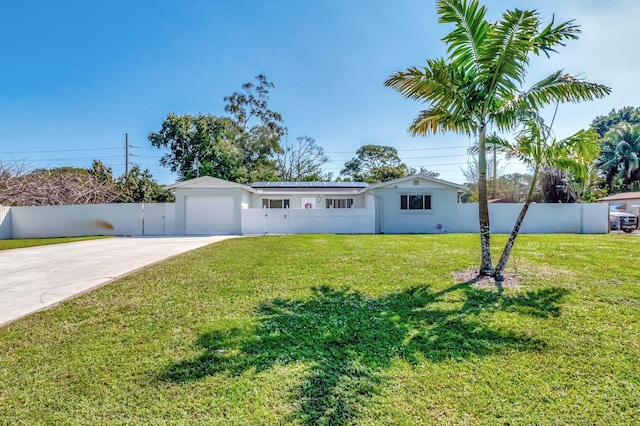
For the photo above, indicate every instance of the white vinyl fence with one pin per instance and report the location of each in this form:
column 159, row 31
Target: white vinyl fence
column 5, row 223
column 92, row 219
column 540, row 219
column 308, row 221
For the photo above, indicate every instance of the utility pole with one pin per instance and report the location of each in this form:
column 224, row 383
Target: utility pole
column 197, row 164
column 126, row 153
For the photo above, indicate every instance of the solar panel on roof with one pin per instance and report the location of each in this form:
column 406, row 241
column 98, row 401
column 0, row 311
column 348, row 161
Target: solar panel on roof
column 314, row 185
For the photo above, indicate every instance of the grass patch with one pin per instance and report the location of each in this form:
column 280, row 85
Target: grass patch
column 33, row 242
column 325, row 329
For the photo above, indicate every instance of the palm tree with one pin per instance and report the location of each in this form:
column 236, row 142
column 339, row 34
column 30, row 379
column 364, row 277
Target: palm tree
column 535, row 148
column 620, row 157
column 478, row 84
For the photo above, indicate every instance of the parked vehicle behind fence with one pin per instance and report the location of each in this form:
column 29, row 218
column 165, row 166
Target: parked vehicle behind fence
column 622, row 221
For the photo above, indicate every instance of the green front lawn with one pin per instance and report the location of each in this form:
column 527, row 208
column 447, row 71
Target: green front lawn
column 325, row 329
column 33, row 242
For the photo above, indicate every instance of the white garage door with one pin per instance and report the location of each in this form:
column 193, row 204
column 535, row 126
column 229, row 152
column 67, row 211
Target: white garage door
column 209, row 215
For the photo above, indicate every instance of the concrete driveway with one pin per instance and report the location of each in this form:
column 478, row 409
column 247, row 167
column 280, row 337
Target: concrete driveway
column 35, row 278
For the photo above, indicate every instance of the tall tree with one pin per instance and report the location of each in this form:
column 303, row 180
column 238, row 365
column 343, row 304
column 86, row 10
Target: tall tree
column 238, row 148
column 196, row 141
column 536, row 148
column 375, row 163
column 300, row 161
column 479, row 83
column 619, row 160
column 261, row 128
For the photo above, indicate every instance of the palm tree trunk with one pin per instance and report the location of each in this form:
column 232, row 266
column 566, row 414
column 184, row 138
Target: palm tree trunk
column 516, row 229
column 486, row 266
column 510, row 242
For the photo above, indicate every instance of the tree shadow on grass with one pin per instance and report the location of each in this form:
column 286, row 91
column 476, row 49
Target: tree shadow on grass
column 347, row 339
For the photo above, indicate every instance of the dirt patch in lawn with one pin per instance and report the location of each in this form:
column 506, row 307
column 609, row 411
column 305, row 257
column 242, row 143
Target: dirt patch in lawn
column 471, row 276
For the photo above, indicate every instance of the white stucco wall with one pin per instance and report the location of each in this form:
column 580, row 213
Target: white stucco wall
column 5, row 222
column 89, row 219
column 308, row 221
column 393, row 220
column 369, row 201
column 295, row 199
column 245, row 200
column 595, row 219
column 159, row 219
column 540, row 219
column 76, row 220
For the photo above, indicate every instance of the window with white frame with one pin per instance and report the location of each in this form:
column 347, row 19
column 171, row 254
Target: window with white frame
column 339, row 203
column 415, row 202
column 269, row 203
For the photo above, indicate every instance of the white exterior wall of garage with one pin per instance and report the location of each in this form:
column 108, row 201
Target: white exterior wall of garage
column 208, row 211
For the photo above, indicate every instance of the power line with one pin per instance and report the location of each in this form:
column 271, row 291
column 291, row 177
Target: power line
column 72, row 158
column 426, row 165
column 403, row 150
column 144, row 147
column 143, row 156
column 58, row 150
column 153, row 148
column 418, row 158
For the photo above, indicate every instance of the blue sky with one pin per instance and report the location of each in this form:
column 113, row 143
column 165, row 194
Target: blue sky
column 77, row 75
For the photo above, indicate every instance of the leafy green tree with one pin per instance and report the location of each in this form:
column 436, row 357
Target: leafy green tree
column 587, row 190
column 479, row 83
column 204, row 141
column 239, row 148
column 101, row 172
column 619, row 159
column 554, row 186
column 422, row 171
column 603, row 123
column 300, row 161
column 138, row 186
column 535, row 147
column 510, row 187
column 261, row 129
column 375, row 163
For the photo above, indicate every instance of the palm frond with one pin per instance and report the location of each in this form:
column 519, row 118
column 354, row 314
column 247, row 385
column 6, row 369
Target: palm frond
column 561, row 87
column 445, row 88
column 507, row 48
column 574, row 153
column 437, row 119
column 552, row 36
column 432, row 83
column 471, row 28
column 556, row 88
